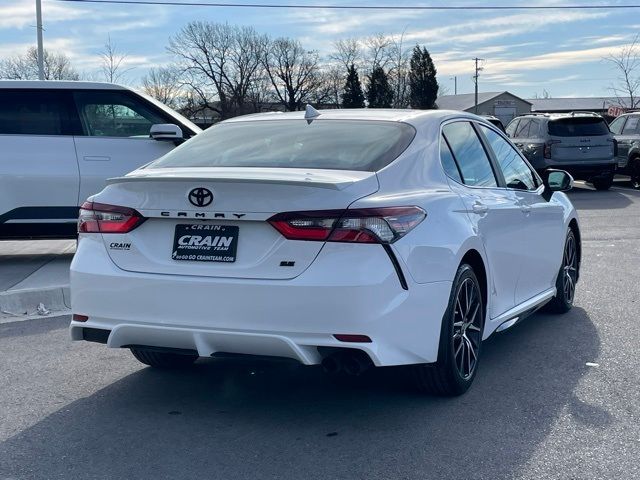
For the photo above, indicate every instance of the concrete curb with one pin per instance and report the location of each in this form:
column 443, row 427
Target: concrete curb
column 26, row 301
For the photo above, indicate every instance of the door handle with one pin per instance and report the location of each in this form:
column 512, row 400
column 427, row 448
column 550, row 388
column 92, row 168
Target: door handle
column 479, row 208
column 525, row 208
column 96, row 158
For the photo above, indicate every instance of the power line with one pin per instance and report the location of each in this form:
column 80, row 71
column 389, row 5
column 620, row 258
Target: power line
column 360, row 7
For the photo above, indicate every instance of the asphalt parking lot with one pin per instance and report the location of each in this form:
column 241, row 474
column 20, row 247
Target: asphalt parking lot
column 556, row 397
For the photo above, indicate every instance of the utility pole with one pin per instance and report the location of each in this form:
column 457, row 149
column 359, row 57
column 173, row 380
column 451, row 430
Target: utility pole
column 455, row 85
column 40, row 47
column 475, row 80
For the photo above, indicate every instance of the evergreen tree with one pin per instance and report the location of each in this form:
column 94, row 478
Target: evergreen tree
column 423, row 85
column 352, row 96
column 379, row 92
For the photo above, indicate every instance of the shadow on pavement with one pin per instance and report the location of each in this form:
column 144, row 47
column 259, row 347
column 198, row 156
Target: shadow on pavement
column 589, row 199
column 229, row 419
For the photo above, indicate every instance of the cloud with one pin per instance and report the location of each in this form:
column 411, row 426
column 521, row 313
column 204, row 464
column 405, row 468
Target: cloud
column 547, row 61
column 489, row 28
column 22, row 14
column 336, row 22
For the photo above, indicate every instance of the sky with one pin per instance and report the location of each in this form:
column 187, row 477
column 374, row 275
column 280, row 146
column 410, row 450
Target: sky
column 525, row 52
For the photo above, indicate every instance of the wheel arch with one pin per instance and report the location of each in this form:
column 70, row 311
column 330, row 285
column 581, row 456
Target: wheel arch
column 473, row 258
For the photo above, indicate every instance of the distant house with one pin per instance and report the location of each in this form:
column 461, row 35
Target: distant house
column 504, row 105
column 607, row 106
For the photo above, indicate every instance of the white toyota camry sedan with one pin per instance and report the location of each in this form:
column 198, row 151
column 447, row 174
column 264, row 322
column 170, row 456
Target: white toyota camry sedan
column 347, row 238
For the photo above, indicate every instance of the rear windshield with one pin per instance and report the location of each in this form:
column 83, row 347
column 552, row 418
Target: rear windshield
column 578, row 127
column 324, row 144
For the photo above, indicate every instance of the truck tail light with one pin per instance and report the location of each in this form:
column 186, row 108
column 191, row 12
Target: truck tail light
column 103, row 218
column 547, row 147
column 364, row 225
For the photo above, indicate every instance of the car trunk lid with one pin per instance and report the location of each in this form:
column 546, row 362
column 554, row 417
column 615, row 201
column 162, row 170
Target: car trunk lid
column 229, row 237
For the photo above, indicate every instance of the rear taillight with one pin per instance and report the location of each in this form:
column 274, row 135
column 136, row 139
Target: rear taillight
column 547, row 147
column 364, row 225
column 102, row 218
column 615, row 146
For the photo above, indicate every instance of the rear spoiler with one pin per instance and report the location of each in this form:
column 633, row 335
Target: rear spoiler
column 335, row 180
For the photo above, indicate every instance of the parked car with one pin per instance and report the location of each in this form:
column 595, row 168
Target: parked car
column 60, row 141
column 494, row 121
column 347, row 238
column 626, row 130
column 579, row 143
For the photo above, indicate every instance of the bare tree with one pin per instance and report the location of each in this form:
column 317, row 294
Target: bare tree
column 57, row 66
column 222, row 59
column 627, row 63
column 260, row 92
column 112, row 62
column 377, row 51
column 544, row 95
column 399, row 71
column 332, row 79
column 347, row 52
column 293, row 71
column 163, row 84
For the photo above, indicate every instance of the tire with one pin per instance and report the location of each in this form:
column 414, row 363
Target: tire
column 603, row 183
column 458, row 354
column 567, row 277
column 163, row 359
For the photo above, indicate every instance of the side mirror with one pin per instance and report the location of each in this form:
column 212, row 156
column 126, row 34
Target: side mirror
column 166, row 132
column 557, row 181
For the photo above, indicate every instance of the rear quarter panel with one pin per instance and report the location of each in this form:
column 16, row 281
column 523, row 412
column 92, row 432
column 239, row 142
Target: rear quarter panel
column 433, row 250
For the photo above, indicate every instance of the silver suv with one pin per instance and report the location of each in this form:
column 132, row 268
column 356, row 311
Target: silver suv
column 579, row 143
column 626, row 130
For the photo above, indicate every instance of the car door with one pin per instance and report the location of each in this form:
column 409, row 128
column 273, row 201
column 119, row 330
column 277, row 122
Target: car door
column 38, row 167
column 115, row 136
column 492, row 210
column 543, row 222
column 628, row 134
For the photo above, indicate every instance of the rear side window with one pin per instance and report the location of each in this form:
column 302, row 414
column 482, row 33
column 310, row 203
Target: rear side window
column 512, row 127
column 632, row 126
column 329, row 144
column 534, row 129
column 33, row 113
column 115, row 114
column 448, row 162
column 617, row 124
column 578, row 127
column 470, row 155
column 523, row 129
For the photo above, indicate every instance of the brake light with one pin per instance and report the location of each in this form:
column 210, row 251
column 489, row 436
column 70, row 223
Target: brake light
column 363, row 225
column 547, row 147
column 103, row 218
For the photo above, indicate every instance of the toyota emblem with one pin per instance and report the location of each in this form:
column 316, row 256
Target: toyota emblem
column 200, row 197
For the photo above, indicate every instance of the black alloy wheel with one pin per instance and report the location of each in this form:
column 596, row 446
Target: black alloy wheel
column 467, row 327
column 460, row 339
column 567, row 276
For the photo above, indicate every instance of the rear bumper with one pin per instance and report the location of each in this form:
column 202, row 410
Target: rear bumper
column 349, row 289
column 586, row 171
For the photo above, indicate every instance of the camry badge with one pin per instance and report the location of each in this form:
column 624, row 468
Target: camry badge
column 200, row 197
